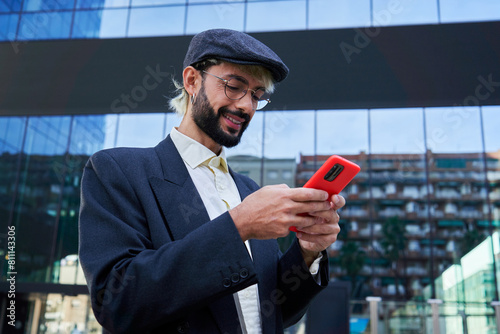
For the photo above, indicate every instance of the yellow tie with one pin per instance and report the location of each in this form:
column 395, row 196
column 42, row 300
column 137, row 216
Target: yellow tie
column 214, row 164
column 217, row 162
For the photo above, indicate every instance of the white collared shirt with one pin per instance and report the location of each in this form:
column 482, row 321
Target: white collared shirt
column 219, row 193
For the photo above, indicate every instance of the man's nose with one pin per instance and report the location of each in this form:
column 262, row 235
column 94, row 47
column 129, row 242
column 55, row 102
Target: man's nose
column 246, row 103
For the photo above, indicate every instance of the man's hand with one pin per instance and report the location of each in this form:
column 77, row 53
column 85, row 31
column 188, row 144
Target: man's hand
column 318, row 237
column 269, row 212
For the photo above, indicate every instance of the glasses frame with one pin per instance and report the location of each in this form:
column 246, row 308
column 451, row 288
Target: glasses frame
column 226, row 81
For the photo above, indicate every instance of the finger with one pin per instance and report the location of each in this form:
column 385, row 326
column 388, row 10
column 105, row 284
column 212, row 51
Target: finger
column 308, row 195
column 321, row 229
column 302, row 222
column 337, row 202
column 312, row 207
column 324, row 240
column 331, row 216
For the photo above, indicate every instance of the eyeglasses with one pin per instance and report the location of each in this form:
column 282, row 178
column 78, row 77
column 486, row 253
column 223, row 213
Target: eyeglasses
column 236, row 89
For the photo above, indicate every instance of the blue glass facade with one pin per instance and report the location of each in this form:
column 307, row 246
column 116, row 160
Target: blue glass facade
column 424, row 174
column 63, row 19
column 59, row 146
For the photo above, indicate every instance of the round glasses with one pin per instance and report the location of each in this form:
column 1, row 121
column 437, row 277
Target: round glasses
column 235, row 89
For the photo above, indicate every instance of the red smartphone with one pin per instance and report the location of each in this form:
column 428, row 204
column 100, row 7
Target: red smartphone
column 332, row 177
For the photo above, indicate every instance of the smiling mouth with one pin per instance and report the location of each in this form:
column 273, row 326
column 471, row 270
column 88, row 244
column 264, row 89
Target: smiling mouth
column 232, row 122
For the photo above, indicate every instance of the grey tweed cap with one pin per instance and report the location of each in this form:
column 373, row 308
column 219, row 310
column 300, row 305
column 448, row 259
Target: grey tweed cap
column 234, row 47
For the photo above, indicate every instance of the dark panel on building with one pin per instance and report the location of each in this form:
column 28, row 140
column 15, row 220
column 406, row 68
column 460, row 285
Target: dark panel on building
column 406, row 66
column 329, row 311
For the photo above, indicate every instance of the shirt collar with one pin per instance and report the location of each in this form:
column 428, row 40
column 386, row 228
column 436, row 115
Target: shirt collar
column 192, row 152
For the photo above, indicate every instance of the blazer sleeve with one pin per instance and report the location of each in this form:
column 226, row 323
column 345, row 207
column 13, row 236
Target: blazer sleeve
column 135, row 287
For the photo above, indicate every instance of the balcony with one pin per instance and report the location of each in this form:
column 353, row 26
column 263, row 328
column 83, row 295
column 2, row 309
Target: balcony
column 391, row 212
column 354, row 212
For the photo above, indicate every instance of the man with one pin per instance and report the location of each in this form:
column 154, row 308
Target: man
column 172, row 240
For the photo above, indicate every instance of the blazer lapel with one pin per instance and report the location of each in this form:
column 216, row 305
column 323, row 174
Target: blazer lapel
column 176, row 193
column 243, row 189
column 184, row 211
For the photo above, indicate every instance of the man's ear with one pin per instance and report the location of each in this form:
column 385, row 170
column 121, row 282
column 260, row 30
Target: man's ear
column 191, row 78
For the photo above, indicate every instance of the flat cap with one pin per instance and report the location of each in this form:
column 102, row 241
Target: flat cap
column 234, row 47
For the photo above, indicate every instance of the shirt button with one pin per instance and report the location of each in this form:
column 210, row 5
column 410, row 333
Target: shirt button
column 247, row 293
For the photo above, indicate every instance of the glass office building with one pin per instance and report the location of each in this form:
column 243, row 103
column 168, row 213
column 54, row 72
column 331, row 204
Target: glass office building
column 372, row 80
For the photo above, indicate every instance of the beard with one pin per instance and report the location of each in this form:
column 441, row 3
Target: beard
column 208, row 121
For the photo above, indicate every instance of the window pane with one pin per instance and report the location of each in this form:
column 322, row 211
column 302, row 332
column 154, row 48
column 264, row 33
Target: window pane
column 140, row 130
column 223, row 15
column 88, row 134
column 8, row 26
column 114, row 23
column 11, row 137
column 110, row 131
column 288, row 137
column 215, row 1
column 491, row 123
column 272, row 16
column 39, row 194
column 338, row 14
column 86, row 138
column 100, row 4
column 11, row 134
column 47, row 135
column 401, row 12
column 100, row 23
column 246, row 157
column 398, row 207
column 463, row 10
column 342, row 132
column 453, row 129
column 458, row 193
column 345, row 133
column 45, row 25
column 37, row 5
column 86, row 24
column 406, row 134
column 156, row 21
column 289, row 134
column 138, row 3
column 10, row 6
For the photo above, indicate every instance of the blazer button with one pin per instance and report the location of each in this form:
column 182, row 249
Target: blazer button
column 235, row 278
column 244, row 273
column 226, row 282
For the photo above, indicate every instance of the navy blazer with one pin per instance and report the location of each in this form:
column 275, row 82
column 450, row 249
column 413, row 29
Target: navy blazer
column 155, row 262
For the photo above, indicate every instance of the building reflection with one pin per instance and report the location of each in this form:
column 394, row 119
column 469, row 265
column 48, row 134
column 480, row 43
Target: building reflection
column 445, row 205
column 416, row 226
column 41, row 163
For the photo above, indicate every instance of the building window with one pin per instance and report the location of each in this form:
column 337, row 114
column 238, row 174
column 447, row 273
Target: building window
column 156, row 21
column 270, row 16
